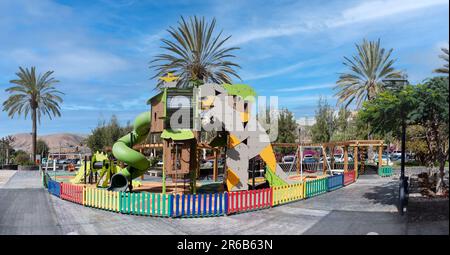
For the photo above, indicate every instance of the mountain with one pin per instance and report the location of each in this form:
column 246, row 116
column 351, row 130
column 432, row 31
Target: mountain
column 63, row 141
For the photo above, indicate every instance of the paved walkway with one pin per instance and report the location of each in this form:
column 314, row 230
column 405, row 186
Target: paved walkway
column 367, row 206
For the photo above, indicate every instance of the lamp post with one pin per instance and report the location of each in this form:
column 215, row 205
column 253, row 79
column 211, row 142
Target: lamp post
column 398, row 84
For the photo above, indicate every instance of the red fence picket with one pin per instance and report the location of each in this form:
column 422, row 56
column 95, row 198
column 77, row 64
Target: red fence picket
column 349, row 177
column 73, row 193
column 249, row 200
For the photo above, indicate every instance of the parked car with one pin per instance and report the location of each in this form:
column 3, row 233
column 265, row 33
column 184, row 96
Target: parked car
column 384, row 160
column 288, row 159
column 160, row 163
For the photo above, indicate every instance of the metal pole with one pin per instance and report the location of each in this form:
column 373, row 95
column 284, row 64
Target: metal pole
column 85, row 166
column 301, row 163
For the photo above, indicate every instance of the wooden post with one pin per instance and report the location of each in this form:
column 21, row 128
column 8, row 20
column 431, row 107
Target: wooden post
column 215, row 166
column 298, row 159
column 355, row 160
column 345, row 158
column 324, row 157
column 142, row 176
column 164, row 167
column 332, row 157
column 380, row 153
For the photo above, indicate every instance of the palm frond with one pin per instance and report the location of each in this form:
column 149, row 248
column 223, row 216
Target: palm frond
column 194, row 52
column 366, row 70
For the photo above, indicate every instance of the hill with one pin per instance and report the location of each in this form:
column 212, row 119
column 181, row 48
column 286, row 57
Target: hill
column 63, row 141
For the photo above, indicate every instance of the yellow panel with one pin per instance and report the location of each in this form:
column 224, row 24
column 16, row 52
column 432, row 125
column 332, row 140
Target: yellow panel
column 232, row 179
column 207, row 102
column 245, row 116
column 233, row 141
column 268, row 157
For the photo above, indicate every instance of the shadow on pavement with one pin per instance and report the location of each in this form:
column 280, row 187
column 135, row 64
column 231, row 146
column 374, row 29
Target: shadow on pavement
column 386, row 194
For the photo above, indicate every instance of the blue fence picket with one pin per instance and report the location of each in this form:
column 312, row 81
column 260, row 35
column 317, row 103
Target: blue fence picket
column 54, row 187
column 335, row 182
column 199, row 205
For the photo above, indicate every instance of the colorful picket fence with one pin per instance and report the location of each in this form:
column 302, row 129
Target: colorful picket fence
column 287, row 193
column 144, row 203
column 196, row 205
column 385, row 171
column 73, row 193
column 349, row 177
column 315, row 187
column 335, row 182
column 199, row 205
column 249, row 200
column 54, row 187
column 102, row 199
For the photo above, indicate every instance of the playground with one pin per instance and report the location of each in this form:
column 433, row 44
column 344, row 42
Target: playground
column 209, row 156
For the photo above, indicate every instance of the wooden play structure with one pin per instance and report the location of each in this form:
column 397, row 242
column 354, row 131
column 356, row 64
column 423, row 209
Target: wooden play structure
column 326, row 160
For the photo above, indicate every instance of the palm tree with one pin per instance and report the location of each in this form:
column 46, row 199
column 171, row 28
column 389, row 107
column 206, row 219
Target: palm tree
column 33, row 94
column 368, row 68
column 444, row 56
column 195, row 54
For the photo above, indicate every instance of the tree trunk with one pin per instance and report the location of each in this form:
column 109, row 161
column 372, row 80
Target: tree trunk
column 440, row 186
column 34, row 135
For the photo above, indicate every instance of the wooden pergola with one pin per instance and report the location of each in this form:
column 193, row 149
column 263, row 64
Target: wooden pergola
column 355, row 144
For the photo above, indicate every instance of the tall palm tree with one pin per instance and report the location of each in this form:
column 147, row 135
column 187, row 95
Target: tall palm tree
column 33, row 94
column 367, row 69
column 444, row 56
column 195, row 54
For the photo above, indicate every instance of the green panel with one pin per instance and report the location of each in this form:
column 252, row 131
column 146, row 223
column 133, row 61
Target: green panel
column 273, row 179
column 177, row 135
column 241, row 90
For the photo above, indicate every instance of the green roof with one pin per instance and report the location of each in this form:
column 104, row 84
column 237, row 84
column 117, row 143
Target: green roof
column 242, row 90
column 177, row 135
column 156, row 97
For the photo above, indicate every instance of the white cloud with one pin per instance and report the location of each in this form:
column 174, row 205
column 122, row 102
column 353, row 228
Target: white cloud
column 70, row 62
column 366, row 11
column 306, row 88
column 380, row 9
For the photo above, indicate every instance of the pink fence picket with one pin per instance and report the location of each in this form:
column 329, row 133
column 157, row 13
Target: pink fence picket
column 249, row 200
column 73, row 193
column 349, row 177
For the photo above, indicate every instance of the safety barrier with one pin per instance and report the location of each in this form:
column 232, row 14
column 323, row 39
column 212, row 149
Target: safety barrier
column 349, row 177
column 199, row 205
column 144, row 203
column 287, row 193
column 249, row 200
column 385, row 171
column 315, row 187
column 102, row 199
column 73, row 193
column 54, row 187
column 335, row 182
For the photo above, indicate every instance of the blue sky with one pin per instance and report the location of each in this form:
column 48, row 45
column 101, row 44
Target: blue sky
column 100, row 50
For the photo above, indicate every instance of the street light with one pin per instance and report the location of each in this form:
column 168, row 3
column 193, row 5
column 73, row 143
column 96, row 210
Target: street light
column 398, row 84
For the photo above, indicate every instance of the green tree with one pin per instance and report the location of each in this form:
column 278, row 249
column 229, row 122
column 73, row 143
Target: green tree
column 416, row 143
column 22, row 158
column 345, row 125
column 106, row 134
column 35, row 94
column 444, row 56
column 367, row 69
column 6, row 148
column 287, row 128
column 42, row 148
column 425, row 105
column 386, row 112
column 325, row 125
column 431, row 111
column 195, row 53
